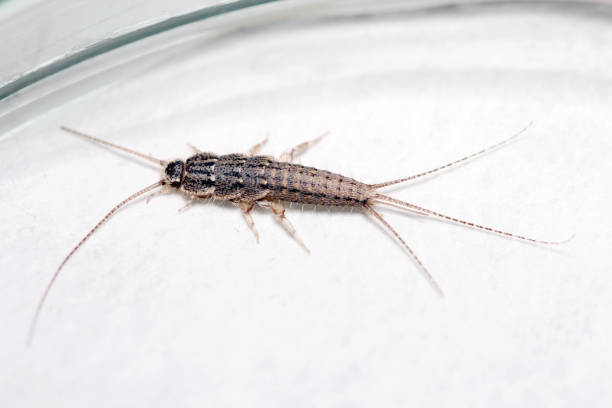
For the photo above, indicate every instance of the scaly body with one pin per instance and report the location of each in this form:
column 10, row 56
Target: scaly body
column 249, row 179
column 239, row 177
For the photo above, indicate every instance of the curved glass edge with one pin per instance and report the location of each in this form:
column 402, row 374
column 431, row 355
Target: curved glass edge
column 110, row 44
column 601, row 8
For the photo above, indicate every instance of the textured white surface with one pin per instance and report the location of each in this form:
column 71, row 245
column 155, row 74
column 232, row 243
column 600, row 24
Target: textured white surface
column 168, row 309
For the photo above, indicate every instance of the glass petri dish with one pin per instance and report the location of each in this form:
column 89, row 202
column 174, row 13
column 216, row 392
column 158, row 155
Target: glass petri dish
column 191, row 299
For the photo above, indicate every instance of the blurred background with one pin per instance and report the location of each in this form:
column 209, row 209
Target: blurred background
column 161, row 308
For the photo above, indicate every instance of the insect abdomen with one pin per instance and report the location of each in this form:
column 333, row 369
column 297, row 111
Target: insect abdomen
column 306, row 185
column 239, row 177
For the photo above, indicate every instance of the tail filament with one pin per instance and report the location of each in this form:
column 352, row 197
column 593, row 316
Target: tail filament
column 390, row 201
column 454, row 163
column 416, row 259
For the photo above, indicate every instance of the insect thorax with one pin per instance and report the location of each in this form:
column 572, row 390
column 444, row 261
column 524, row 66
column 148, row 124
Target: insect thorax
column 199, row 174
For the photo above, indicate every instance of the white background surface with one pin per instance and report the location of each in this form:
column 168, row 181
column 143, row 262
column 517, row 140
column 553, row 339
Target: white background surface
column 161, row 308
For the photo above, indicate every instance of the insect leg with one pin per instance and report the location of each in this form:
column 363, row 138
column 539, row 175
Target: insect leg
column 246, row 208
column 279, row 211
column 157, row 193
column 187, row 204
column 195, row 149
column 287, row 155
column 253, row 150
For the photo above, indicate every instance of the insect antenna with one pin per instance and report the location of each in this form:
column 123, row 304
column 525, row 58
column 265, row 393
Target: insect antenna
column 415, row 258
column 453, row 163
column 85, row 238
column 124, row 149
column 393, row 202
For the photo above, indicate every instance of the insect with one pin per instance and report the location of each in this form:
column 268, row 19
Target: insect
column 250, row 179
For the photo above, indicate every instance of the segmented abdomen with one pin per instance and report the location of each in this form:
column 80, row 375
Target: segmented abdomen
column 302, row 184
column 237, row 176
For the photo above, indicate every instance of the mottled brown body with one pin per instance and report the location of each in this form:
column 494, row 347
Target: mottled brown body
column 247, row 179
column 238, row 177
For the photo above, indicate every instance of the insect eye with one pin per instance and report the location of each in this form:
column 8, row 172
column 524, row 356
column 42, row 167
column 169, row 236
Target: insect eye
column 174, row 172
